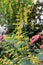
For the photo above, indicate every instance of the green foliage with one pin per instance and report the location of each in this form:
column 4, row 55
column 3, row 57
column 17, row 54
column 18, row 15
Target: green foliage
column 25, row 62
column 40, row 56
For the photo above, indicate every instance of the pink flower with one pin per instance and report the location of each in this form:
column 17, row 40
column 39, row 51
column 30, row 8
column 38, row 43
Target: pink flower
column 41, row 47
column 34, row 39
column 1, row 37
column 41, row 37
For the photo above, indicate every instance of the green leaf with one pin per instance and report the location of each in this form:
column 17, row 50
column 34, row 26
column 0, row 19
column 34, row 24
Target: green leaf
column 40, row 56
column 37, row 50
column 17, row 45
column 25, row 62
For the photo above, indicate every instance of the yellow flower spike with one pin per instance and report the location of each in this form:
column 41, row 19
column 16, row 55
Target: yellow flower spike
column 35, row 60
column 15, row 55
column 11, row 11
column 17, row 1
column 20, row 14
column 4, row 62
column 19, row 36
column 19, row 42
column 20, row 49
column 9, row 62
column 26, row 38
column 28, row 53
column 5, row 11
column 18, row 32
column 5, row 37
column 0, row 58
column 5, row 1
column 23, row 48
column 17, row 6
column 20, row 56
column 20, row 61
column 14, row 64
column 16, row 58
column 25, row 15
column 26, row 47
column 32, row 1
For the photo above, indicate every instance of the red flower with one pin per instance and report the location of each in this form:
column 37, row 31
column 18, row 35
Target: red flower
column 1, row 38
column 34, row 39
column 41, row 47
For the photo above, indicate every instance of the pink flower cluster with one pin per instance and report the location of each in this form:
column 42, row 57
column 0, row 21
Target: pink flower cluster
column 1, row 37
column 41, row 46
column 36, row 38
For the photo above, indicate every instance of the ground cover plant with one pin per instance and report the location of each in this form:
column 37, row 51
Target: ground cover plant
column 23, row 42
